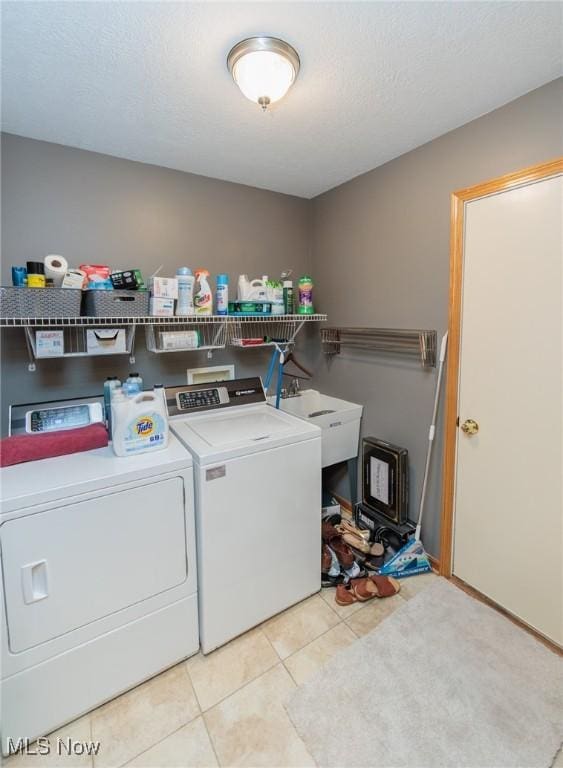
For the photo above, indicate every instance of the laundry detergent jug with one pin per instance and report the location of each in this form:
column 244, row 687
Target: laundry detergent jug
column 139, row 423
column 251, row 290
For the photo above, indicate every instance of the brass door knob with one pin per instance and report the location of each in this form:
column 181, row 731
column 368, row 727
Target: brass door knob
column 470, row 427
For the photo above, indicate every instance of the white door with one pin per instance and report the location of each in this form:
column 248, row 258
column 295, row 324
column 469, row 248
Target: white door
column 508, row 526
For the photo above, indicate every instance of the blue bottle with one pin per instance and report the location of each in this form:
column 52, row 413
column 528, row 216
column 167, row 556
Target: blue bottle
column 133, row 385
column 222, row 295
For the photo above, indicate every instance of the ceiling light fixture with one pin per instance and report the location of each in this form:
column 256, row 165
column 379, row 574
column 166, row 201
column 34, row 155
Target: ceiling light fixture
column 264, row 68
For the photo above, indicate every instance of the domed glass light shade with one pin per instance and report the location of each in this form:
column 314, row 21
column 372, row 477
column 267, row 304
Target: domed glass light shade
column 264, row 68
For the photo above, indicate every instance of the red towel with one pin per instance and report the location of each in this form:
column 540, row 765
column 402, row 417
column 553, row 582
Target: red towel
column 20, row 448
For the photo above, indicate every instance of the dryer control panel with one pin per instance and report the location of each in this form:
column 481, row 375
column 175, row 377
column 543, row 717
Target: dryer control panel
column 206, row 397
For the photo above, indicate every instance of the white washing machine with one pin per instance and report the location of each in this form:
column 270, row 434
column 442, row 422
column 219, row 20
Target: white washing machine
column 99, row 580
column 257, row 475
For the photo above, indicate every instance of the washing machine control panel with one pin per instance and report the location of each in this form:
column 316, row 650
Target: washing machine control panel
column 201, row 398
column 207, row 397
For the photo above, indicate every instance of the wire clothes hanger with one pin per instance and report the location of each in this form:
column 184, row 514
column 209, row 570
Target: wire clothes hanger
column 290, row 358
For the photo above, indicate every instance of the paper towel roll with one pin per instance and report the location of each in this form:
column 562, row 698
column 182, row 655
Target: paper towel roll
column 55, row 269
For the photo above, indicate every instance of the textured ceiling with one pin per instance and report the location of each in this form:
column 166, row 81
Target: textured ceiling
column 148, row 81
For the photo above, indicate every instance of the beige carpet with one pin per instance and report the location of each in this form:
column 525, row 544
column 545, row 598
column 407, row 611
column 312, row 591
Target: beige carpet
column 444, row 681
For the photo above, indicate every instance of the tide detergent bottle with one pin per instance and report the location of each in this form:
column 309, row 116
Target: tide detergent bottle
column 203, row 298
column 139, row 423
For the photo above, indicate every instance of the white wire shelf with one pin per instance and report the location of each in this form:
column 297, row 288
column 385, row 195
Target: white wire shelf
column 57, row 322
column 215, row 331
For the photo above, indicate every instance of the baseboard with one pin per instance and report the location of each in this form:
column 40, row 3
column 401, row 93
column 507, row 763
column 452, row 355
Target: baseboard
column 514, row 619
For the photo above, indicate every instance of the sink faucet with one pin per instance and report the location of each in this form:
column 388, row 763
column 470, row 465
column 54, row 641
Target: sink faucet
column 293, row 389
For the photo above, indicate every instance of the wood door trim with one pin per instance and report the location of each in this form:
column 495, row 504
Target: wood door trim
column 457, row 211
column 472, row 592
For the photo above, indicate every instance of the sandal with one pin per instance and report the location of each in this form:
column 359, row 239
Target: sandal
column 333, row 538
column 346, row 526
column 345, row 594
column 375, row 586
column 359, row 540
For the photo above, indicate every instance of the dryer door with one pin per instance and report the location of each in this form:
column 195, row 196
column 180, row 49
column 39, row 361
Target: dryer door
column 71, row 565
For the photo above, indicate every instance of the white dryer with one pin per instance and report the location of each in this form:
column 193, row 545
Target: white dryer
column 257, row 474
column 99, row 581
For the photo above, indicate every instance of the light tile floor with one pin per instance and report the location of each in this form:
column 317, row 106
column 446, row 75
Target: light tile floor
column 226, row 708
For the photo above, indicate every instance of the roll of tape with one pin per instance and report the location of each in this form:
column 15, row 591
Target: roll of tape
column 55, row 269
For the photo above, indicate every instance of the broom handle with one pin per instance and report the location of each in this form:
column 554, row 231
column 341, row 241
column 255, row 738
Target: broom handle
column 431, row 433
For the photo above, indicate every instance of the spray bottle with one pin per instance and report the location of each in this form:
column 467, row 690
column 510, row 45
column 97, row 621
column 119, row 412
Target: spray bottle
column 222, row 295
column 203, row 299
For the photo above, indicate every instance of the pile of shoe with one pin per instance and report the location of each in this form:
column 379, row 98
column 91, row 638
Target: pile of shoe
column 346, row 552
column 338, row 565
column 368, row 554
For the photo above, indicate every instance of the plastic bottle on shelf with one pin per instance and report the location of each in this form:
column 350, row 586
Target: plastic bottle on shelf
column 305, row 302
column 222, row 295
column 203, row 299
column 288, row 304
column 185, row 303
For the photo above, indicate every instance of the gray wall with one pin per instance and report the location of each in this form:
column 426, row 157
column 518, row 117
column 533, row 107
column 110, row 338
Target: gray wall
column 380, row 251
column 92, row 208
column 381, row 259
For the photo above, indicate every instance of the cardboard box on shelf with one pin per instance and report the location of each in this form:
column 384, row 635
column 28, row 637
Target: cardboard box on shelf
column 162, row 307
column 49, row 343
column 106, row 341
column 164, row 287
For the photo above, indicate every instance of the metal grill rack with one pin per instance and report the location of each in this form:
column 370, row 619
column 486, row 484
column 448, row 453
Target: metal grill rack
column 420, row 344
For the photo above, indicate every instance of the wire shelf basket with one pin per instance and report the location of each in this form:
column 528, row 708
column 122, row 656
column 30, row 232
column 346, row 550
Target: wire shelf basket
column 185, row 336
column 74, row 342
column 263, row 333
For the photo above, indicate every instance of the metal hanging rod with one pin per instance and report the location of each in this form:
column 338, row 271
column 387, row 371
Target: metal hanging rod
column 393, row 341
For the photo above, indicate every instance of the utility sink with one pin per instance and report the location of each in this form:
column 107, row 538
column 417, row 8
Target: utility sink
column 338, row 419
